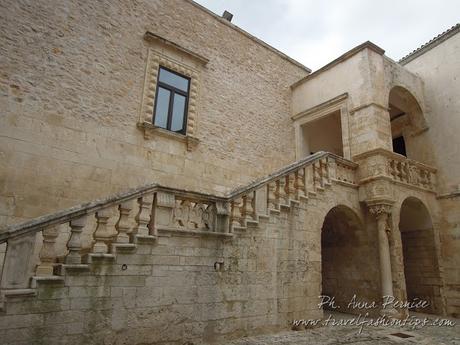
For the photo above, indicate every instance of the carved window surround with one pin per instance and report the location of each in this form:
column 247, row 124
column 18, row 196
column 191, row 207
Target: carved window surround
column 162, row 52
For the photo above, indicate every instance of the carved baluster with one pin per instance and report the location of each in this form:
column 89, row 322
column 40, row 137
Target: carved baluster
column 318, row 169
column 309, row 178
column 281, row 190
column 236, row 212
column 290, row 187
column 48, row 252
column 102, row 235
column 122, row 225
column 271, row 196
column 248, row 206
column 74, row 244
column 143, row 216
column 300, row 183
column 332, row 168
column 325, row 171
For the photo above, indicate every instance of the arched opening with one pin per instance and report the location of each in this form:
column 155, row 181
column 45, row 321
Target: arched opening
column 407, row 120
column 349, row 264
column 421, row 268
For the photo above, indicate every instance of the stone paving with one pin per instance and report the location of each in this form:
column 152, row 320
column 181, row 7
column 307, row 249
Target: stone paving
column 329, row 335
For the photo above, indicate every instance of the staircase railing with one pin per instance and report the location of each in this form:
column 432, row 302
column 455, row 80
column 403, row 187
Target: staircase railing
column 141, row 213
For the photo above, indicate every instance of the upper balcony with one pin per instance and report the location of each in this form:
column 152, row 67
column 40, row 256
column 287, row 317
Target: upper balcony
column 364, row 102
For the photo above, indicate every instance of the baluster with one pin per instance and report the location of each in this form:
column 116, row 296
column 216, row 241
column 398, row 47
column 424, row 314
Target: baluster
column 102, row 235
column 236, row 212
column 300, row 183
column 399, row 170
column 290, row 187
column 309, row 178
column 248, row 206
column 74, row 244
column 143, row 216
column 271, row 196
column 281, row 190
column 324, row 171
column 122, row 225
column 48, row 252
column 332, row 169
column 318, row 174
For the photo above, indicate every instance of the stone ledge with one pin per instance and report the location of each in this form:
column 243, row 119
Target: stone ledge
column 186, row 232
column 152, row 131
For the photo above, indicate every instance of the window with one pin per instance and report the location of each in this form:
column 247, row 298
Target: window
column 171, row 101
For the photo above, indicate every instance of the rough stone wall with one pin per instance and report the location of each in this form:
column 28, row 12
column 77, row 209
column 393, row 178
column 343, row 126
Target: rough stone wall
column 170, row 292
column 71, row 86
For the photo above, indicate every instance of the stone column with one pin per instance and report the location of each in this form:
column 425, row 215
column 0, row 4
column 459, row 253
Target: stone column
column 382, row 211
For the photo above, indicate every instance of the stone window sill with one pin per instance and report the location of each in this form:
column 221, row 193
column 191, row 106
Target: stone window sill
column 151, row 131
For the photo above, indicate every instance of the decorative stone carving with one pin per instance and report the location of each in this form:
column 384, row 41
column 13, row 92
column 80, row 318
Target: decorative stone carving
column 74, row 244
column 143, row 216
column 378, row 210
column 236, row 212
column 122, row 225
column 193, row 215
column 102, row 235
column 48, row 252
column 154, row 61
column 272, row 195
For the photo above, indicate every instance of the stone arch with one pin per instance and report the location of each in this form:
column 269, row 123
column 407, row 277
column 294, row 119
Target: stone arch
column 407, row 119
column 349, row 266
column 421, row 267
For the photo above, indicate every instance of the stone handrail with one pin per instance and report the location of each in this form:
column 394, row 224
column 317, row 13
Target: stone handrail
column 143, row 212
column 380, row 163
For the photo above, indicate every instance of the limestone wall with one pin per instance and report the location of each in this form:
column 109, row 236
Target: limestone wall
column 170, row 292
column 440, row 71
column 71, row 89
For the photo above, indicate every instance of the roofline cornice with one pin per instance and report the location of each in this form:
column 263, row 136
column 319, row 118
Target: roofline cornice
column 340, row 59
column 430, row 45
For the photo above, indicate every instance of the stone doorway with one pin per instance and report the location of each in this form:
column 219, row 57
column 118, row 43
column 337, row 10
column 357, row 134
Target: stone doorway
column 349, row 260
column 421, row 267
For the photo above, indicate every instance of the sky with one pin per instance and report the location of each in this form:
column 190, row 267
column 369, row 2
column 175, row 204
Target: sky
column 316, row 32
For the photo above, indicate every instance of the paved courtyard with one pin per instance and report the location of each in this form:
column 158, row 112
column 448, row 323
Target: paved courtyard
column 328, row 335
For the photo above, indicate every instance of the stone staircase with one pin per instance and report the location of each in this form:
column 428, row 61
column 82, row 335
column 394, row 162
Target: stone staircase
column 121, row 231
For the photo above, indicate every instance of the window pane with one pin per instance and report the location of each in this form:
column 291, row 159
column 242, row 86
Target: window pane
column 177, row 123
column 174, row 80
column 161, row 109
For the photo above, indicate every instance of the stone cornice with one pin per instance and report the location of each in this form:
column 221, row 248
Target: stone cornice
column 340, row 59
column 325, row 105
column 430, row 45
column 363, row 106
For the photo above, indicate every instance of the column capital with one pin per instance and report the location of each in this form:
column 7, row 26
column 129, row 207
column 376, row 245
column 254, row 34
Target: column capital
column 379, row 208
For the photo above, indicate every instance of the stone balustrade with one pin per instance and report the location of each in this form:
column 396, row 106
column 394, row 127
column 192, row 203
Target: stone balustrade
column 411, row 172
column 380, row 163
column 143, row 213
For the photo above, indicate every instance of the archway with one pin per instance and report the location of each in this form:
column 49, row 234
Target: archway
column 349, row 261
column 421, row 267
column 407, row 120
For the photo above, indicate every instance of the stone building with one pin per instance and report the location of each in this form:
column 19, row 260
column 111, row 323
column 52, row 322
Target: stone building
column 165, row 177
